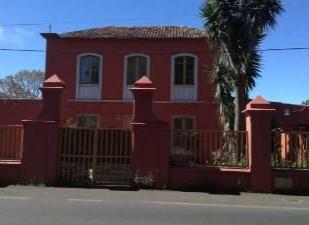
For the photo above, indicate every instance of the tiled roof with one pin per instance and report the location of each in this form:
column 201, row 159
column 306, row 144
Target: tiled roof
column 138, row 32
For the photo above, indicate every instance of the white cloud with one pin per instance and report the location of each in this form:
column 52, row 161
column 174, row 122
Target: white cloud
column 14, row 37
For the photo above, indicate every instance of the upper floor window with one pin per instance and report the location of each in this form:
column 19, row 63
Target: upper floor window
column 184, row 67
column 136, row 66
column 184, row 77
column 89, row 71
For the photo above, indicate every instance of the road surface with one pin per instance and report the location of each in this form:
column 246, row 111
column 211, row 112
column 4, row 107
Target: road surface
column 24, row 205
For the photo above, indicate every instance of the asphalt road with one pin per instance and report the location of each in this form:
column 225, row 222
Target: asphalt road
column 21, row 205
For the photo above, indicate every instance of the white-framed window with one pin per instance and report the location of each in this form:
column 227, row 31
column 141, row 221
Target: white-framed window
column 184, row 77
column 87, row 121
column 89, row 76
column 136, row 66
column 185, row 123
column 183, row 135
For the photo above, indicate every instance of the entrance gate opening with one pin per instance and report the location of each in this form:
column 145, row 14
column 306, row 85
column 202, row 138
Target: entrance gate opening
column 94, row 156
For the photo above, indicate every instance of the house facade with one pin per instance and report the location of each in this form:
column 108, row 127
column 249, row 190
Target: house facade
column 99, row 66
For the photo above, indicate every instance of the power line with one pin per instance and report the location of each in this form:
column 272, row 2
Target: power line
column 283, row 49
column 151, row 53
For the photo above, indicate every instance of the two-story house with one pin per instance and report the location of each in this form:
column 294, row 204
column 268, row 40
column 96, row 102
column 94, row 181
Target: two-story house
column 100, row 65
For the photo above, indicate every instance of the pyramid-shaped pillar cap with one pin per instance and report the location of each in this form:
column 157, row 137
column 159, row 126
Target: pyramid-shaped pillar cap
column 259, row 103
column 144, row 82
column 54, row 81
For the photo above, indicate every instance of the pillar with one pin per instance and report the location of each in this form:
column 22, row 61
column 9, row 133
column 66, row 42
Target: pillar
column 258, row 125
column 40, row 144
column 151, row 138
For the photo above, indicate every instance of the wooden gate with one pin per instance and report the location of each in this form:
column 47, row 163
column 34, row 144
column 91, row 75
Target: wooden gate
column 94, row 156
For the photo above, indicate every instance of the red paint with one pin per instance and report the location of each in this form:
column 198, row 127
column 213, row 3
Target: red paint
column 143, row 100
column 111, row 109
column 300, row 180
column 151, row 138
column 10, row 171
column 289, row 117
column 13, row 111
column 210, row 178
column 258, row 125
column 40, row 145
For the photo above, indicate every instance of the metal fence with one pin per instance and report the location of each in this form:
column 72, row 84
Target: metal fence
column 97, row 156
column 209, row 148
column 11, row 139
column 290, row 150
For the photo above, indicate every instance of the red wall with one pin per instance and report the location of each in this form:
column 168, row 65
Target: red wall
column 211, row 178
column 113, row 113
column 111, row 109
column 10, row 172
column 13, row 111
column 299, row 178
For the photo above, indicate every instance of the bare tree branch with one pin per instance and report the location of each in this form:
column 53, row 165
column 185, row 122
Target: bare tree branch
column 23, row 84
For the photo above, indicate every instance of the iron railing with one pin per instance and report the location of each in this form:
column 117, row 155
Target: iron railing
column 94, row 155
column 209, row 148
column 290, row 150
column 11, row 140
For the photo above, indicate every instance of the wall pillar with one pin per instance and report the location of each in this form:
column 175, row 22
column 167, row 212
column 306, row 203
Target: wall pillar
column 40, row 144
column 258, row 125
column 151, row 139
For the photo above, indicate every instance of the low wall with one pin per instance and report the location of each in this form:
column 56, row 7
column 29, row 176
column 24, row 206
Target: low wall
column 208, row 178
column 10, row 171
column 290, row 181
column 13, row 111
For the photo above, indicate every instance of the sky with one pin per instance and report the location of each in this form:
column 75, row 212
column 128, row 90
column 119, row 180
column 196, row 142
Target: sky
column 284, row 74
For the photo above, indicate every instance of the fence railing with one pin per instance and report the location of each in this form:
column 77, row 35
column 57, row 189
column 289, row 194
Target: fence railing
column 96, row 155
column 11, row 139
column 209, row 148
column 290, row 150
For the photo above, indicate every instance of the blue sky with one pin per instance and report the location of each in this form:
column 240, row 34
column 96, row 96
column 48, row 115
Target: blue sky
column 285, row 75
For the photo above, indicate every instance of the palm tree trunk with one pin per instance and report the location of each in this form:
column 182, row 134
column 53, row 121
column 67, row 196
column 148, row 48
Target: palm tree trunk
column 240, row 103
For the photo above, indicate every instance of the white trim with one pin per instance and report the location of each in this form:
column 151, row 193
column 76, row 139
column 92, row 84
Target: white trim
column 78, row 72
column 128, row 101
column 196, row 63
column 125, row 71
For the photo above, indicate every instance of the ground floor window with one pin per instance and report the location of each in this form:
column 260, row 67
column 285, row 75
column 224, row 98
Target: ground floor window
column 182, row 131
column 183, row 123
column 87, row 121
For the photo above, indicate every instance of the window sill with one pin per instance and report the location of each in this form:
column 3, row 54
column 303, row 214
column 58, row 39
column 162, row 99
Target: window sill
column 131, row 101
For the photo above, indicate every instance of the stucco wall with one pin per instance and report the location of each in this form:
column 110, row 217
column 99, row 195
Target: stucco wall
column 13, row 111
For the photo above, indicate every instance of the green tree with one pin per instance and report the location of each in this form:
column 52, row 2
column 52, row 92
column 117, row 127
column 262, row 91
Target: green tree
column 236, row 29
column 23, row 84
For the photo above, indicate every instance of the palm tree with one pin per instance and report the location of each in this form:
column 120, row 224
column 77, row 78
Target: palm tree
column 305, row 102
column 236, row 29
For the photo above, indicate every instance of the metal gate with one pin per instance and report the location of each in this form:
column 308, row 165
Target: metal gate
column 94, row 156
column 11, row 140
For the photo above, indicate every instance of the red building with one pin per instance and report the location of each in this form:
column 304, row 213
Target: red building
column 291, row 117
column 99, row 66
